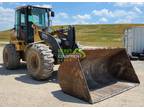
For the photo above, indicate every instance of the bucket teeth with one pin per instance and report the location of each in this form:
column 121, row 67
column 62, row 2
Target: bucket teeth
column 102, row 74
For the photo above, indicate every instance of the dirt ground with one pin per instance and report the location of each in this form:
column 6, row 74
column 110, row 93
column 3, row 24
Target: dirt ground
column 18, row 89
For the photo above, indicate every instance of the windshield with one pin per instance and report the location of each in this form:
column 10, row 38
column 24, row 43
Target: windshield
column 39, row 17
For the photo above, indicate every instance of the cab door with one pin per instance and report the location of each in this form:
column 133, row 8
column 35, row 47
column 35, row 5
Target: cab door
column 20, row 25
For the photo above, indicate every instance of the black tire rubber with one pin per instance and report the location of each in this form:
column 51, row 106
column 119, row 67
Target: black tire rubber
column 40, row 61
column 11, row 58
column 141, row 58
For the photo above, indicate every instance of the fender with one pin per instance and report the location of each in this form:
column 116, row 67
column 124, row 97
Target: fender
column 57, row 50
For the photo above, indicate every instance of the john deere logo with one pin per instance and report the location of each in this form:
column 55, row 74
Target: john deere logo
column 79, row 52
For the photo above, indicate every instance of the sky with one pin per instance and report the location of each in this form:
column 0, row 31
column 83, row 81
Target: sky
column 71, row 13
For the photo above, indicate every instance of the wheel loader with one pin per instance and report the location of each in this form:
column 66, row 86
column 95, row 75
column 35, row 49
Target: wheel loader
column 88, row 74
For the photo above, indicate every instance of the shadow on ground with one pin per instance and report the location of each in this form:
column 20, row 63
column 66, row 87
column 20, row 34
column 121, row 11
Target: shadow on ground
column 24, row 77
column 29, row 80
column 21, row 70
column 67, row 98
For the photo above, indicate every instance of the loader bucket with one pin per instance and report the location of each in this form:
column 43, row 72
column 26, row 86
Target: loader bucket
column 102, row 74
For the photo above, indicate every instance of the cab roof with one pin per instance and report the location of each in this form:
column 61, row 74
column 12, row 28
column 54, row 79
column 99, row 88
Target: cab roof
column 30, row 6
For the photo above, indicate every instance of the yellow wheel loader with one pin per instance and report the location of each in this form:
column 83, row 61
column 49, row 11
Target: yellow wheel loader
column 90, row 74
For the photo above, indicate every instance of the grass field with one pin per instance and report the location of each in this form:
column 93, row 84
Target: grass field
column 5, row 35
column 94, row 35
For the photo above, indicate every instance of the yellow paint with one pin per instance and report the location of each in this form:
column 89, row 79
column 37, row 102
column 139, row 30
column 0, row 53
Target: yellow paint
column 36, row 33
column 19, row 45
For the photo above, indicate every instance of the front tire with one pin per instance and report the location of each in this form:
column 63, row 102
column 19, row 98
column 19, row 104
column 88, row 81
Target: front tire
column 11, row 58
column 40, row 61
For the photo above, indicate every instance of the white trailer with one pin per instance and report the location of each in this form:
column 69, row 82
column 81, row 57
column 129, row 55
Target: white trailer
column 134, row 41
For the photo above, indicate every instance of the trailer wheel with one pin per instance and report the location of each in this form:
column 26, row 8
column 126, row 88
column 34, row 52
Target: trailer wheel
column 134, row 58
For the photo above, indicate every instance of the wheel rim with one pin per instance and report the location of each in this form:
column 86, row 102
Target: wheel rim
column 34, row 61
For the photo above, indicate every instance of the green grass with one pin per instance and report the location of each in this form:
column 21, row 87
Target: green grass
column 102, row 34
column 94, row 35
column 5, row 36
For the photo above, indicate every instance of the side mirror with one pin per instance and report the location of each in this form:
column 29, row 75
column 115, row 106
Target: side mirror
column 52, row 14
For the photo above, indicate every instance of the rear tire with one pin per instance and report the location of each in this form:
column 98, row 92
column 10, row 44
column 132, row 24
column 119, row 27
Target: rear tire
column 11, row 58
column 40, row 61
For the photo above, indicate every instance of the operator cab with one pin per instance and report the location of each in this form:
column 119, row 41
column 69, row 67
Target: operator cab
column 26, row 16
